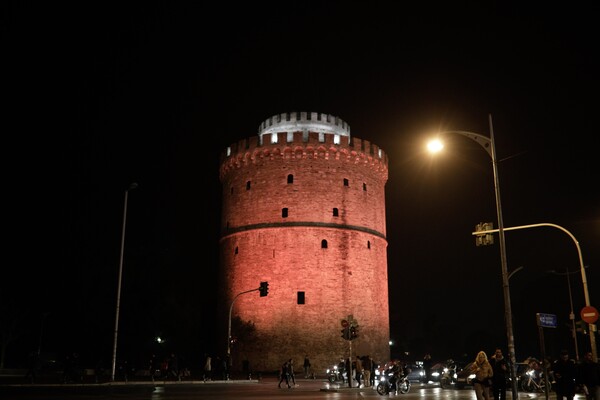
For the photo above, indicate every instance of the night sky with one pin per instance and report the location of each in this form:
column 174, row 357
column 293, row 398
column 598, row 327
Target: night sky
column 102, row 95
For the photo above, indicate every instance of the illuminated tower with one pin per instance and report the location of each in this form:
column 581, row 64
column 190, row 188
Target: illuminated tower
column 304, row 210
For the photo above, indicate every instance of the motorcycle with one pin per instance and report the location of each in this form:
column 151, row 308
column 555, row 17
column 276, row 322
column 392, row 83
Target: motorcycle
column 391, row 381
column 336, row 374
column 448, row 379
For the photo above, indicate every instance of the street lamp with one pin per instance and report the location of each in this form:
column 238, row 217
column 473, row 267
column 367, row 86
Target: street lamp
column 114, row 355
column 489, row 146
column 572, row 314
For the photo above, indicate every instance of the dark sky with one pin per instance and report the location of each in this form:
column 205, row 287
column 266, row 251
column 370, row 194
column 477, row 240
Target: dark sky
column 100, row 96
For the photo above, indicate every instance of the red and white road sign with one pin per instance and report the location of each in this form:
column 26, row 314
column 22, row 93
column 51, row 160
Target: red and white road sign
column 589, row 314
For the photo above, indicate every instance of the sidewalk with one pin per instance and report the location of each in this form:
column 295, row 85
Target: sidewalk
column 16, row 378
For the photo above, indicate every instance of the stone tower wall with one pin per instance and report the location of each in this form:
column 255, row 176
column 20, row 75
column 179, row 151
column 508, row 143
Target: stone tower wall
column 278, row 212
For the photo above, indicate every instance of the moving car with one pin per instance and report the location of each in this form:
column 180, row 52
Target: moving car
column 464, row 376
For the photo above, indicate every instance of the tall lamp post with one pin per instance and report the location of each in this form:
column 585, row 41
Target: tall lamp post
column 572, row 314
column 114, row 354
column 489, row 146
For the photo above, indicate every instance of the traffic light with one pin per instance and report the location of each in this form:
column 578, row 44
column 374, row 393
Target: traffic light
column 353, row 332
column 484, row 239
column 264, row 289
column 346, row 333
column 581, row 327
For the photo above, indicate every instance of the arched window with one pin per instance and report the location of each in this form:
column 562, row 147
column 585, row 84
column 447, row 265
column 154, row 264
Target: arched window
column 323, row 244
column 284, row 212
column 346, row 182
column 364, row 187
column 368, row 244
column 336, row 213
column 301, row 298
column 236, row 250
column 248, row 185
column 290, row 178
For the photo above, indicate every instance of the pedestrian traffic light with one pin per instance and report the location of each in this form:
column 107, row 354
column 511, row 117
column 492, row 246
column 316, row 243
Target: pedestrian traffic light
column 353, row 332
column 264, row 289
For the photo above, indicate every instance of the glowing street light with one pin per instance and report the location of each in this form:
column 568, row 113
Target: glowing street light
column 489, row 146
column 114, row 355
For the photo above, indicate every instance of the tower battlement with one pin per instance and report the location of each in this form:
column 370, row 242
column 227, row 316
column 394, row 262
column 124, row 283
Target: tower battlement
column 302, row 145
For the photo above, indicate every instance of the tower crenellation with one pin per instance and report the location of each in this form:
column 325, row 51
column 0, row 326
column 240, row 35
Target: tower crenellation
column 300, row 145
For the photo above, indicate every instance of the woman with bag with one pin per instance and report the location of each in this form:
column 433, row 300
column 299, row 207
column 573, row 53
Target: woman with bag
column 483, row 376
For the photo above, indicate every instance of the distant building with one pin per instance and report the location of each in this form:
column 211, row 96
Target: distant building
column 304, row 210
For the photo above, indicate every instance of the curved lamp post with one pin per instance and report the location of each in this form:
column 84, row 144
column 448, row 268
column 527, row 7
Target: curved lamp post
column 114, row 354
column 489, row 146
column 582, row 267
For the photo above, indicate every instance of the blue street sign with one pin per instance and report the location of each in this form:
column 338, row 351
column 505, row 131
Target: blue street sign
column 546, row 320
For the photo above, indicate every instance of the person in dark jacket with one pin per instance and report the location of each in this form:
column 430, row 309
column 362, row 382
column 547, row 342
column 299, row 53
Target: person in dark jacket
column 306, row 367
column 427, row 364
column 565, row 372
column 588, row 377
column 500, row 368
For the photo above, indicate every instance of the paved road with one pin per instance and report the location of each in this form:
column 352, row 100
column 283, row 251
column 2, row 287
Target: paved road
column 238, row 390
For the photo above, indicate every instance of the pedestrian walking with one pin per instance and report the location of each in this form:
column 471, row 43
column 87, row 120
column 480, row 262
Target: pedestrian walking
column 588, row 377
column 427, row 364
column 483, row 376
column 306, row 366
column 500, row 369
column 284, row 375
column 374, row 366
column 291, row 371
column 207, row 369
column 359, row 371
column 173, row 368
column 367, row 364
column 33, row 366
column 565, row 373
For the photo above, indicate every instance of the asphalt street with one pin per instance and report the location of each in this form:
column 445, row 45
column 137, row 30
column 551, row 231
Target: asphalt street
column 229, row 390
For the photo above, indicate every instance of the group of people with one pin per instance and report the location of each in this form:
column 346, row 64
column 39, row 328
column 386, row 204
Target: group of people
column 491, row 376
column 286, row 373
column 568, row 375
column 361, row 370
